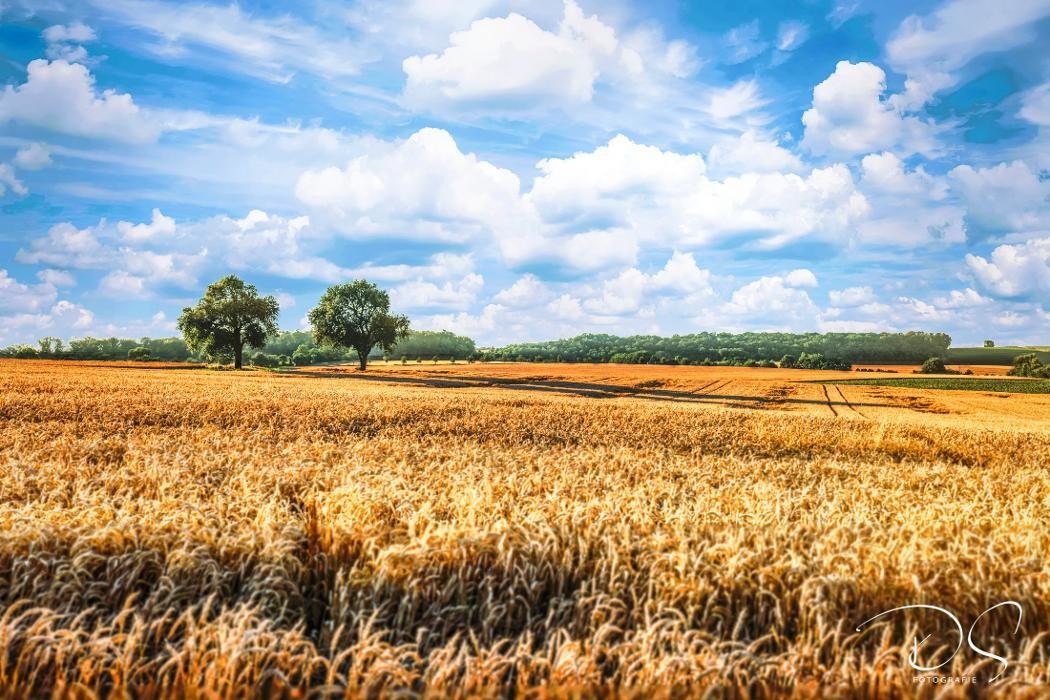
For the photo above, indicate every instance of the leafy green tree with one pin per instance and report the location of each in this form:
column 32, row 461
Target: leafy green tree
column 50, row 346
column 139, row 354
column 357, row 315
column 230, row 315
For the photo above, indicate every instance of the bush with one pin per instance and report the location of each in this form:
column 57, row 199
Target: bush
column 788, row 361
column 1029, row 366
column 140, row 354
column 934, row 365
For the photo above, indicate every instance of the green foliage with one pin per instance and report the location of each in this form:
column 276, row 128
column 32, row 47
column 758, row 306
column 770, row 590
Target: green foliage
column 230, row 315
column 724, row 348
column 357, row 315
column 934, row 365
column 989, row 384
column 20, row 351
column 1002, row 355
column 1029, row 366
column 989, row 343
column 140, row 354
column 788, row 361
column 430, row 343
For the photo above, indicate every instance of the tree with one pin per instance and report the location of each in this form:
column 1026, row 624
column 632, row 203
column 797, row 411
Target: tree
column 357, row 315
column 50, row 346
column 139, row 354
column 230, row 315
column 989, row 343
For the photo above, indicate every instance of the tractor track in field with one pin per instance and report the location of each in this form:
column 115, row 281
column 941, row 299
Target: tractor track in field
column 827, row 398
column 847, row 402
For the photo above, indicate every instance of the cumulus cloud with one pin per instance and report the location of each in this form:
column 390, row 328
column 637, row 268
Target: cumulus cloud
column 513, row 63
column 423, row 188
column 774, row 301
column 527, row 290
column 61, row 96
column 1008, row 197
column 751, row 152
column 909, row 207
column 15, row 296
column 159, row 225
column 1017, row 270
column 851, row 296
column 850, row 117
column 421, row 294
column 33, row 157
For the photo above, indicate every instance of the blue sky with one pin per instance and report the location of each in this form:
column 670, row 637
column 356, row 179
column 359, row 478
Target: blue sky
column 529, row 170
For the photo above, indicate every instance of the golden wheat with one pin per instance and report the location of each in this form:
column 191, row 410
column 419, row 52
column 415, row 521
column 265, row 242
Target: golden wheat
column 487, row 531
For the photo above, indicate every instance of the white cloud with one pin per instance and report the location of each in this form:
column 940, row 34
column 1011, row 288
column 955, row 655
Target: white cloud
column 66, row 246
column 750, row 152
column 420, row 294
column 961, row 299
column 645, row 194
column 158, row 226
column 77, row 32
column 122, row 285
column 775, row 301
column 527, row 290
column 800, row 278
column 1014, row 270
column 849, row 116
column 423, row 188
column 1035, row 106
column 513, row 63
column 909, row 208
column 930, row 48
column 885, row 172
column 1008, row 197
column 681, row 279
column 744, row 42
column 15, row 296
column 270, row 48
column 727, row 105
column 851, row 296
column 598, row 183
column 9, row 180
column 33, row 157
column 58, row 278
column 61, row 96
column 791, row 35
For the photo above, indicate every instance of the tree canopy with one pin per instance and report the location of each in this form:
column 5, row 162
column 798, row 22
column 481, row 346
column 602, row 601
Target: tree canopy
column 230, row 315
column 699, row 348
column 357, row 315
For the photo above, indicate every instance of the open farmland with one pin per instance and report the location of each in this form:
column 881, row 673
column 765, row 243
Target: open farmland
column 484, row 530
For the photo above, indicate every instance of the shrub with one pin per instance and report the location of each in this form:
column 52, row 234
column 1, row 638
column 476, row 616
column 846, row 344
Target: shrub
column 139, row 354
column 934, row 365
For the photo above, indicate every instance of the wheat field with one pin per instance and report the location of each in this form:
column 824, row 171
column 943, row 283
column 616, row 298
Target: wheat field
column 515, row 530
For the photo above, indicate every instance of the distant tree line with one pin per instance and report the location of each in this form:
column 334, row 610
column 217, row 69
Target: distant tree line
column 733, row 348
column 285, row 348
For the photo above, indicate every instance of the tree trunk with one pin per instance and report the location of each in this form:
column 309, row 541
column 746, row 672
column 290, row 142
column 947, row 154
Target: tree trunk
column 362, row 360
column 238, row 353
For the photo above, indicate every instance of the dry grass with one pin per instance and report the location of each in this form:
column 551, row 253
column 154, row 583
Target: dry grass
column 186, row 533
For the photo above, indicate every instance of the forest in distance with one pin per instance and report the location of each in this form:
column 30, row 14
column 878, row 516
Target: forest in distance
column 299, row 348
